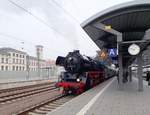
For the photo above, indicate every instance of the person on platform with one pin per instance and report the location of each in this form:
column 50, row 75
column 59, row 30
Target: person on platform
column 148, row 77
column 125, row 75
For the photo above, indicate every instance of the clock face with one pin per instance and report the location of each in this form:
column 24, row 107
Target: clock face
column 134, row 49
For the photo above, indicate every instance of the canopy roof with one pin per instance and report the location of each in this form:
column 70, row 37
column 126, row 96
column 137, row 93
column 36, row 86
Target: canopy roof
column 132, row 19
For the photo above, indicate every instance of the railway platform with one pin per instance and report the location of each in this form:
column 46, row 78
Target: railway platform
column 108, row 99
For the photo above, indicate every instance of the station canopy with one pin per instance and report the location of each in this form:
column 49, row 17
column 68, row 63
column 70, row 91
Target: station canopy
column 132, row 19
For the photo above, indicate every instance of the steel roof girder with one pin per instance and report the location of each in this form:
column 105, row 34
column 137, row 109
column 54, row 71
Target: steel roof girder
column 101, row 26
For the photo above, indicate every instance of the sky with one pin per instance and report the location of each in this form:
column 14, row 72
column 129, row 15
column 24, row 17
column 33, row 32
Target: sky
column 55, row 24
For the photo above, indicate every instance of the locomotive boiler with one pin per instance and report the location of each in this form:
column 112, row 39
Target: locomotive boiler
column 74, row 62
column 81, row 72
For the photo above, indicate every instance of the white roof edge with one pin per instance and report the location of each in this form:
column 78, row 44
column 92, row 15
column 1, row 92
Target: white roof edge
column 113, row 8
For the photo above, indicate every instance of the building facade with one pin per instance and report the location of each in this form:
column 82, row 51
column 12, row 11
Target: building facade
column 15, row 60
column 33, row 63
column 12, row 60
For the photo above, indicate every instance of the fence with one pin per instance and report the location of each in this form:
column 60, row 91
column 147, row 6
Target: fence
column 15, row 76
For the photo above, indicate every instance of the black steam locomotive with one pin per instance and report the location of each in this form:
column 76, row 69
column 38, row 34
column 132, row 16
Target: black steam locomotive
column 74, row 62
column 82, row 72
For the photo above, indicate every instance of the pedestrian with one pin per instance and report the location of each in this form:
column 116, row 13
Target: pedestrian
column 125, row 75
column 148, row 77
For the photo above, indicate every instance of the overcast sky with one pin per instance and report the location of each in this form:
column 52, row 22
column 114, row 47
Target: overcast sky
column 55, row 24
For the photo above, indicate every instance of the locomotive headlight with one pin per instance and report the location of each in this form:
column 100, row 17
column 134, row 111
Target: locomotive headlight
column 78, row 79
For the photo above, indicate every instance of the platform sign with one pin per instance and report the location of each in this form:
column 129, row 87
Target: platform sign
column 103, row 54
column 112, row 52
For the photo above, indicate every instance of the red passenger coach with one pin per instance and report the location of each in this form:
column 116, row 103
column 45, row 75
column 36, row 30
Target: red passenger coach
column 96, row 77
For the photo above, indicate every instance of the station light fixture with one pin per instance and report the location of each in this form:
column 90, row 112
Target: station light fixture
column 108, row 27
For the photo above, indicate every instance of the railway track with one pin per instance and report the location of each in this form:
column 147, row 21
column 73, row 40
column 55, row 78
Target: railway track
column 13, row 94
column 13, row 90
column 47, row 106
column 31, row 100
column 18, row 99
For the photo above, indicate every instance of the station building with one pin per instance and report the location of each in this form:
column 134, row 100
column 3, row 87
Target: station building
column 15, row 60
column 12, row 60
column 33, row 63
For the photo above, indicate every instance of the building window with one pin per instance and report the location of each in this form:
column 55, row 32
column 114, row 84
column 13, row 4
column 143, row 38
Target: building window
column 20, row 68
column 16, row 60
column 2, row 67
column 6, row 60
column 6, row 68
column 16, row 68
column 20, row 56
column 13, row 60
column 13, row 54
column 9, row 54
column 13, row 68
column 23, row 68
column 2, row 60
column 16, row 55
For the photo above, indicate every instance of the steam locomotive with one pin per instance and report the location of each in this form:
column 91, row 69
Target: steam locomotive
column 81, row 73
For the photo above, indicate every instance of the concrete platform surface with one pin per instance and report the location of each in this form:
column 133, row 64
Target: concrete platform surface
column 107, row 99
column 76, row 104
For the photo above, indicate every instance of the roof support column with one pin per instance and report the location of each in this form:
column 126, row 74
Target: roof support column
column 120, row 77
column 139, row 72
column 130, row 74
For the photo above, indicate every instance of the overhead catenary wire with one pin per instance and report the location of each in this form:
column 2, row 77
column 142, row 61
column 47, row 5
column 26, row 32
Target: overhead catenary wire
column 16, row 38
column 37, row 18
column 26, row 42
column 67, row 12
column 57, row 4
column 30, row 13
